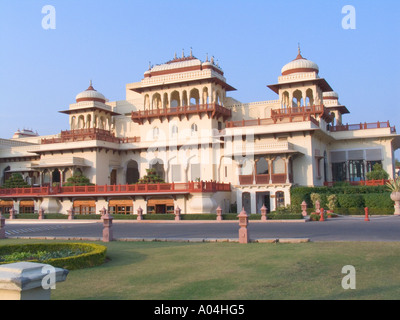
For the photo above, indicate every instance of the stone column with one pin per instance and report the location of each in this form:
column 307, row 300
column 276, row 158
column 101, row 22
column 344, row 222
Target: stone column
column 243, row 223
column 2, row 227
column 29, row 281
column 140, row 214
column 12, row 214
column 107, row 227
column 41, row 214
column 71, row 214
column 219, row 214
column 263, row 213
column 177, row 214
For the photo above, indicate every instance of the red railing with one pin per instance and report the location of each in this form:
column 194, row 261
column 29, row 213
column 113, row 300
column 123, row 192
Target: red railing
column 88, row 134
column 264, row 179
column 360, row 183
column 362, row 126
column 212, row 108
column 188, row 187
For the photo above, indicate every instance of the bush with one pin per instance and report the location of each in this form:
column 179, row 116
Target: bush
column 351, row 201
column 377, row 173
column 89, row 255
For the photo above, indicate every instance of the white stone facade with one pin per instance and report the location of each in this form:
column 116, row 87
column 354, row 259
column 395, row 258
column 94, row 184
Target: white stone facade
column 180, row 120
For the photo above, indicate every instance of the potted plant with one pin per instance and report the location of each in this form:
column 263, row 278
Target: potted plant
column 332, row 204
column 393, row 186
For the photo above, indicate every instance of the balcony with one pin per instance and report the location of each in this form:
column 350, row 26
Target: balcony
column 360, row 183
column 212, row 110
column 301, row 113
column 277, row 178
column 134, row 189
column 363, row 126
column 88, row 135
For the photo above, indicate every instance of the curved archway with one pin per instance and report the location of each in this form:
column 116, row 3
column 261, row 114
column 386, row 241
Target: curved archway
column 132, row 172
column 158, row 165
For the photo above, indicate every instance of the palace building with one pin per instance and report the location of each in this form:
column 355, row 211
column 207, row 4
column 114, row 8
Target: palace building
column 209, row 149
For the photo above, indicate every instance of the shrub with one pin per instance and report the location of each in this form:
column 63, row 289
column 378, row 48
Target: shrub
column 377, row 173
column 88, row 255
column 351, row 201
column 332, row 202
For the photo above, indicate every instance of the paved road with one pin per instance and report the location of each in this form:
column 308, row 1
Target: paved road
column 338, row 229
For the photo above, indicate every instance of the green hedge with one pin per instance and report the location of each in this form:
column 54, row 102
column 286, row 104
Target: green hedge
column 93, row 255
column 351, row 199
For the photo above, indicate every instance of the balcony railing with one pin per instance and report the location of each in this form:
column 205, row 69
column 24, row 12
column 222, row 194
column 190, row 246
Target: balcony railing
column 87, row 135
column 362, row 126
column 162, row 188
column 212, row 110
column 275, row 178
column 305, row 113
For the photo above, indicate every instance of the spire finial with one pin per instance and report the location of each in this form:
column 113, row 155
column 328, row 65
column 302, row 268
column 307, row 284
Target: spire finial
column 207, row 58
column 298, row 48
column 183, row 53
column 175, row 57
column 90, row 84
column 191, row 52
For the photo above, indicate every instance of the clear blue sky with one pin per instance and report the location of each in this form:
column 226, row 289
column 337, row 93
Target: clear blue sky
column 112, row 42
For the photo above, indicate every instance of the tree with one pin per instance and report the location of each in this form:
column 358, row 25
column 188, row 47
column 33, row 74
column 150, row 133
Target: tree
column 151, row 177
column 377, row 173
column 78, row 179
column 15, row 181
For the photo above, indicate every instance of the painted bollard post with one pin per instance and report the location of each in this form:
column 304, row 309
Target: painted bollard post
column 304, row 208
column 103, row 212
column 263, row 213
column 321, row 215
column 366, row 210
column 12, row 214
column 107, row 227
column 140, row 214
column 177, row 214
column 2, row 227
column 219, row 214
column 71, row 214
column 41, row 214
column 243, row 223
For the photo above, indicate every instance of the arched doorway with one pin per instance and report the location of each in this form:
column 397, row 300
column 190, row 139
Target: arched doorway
column 158, row 165
column 132, row 172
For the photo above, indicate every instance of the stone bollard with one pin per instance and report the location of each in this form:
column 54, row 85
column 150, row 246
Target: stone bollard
column 71, row 214
column 140, row 214
column 12, row 214
column 2, row 227
column 304, row 208
column 29, row 281
column 366, row 210
column 41, row 214
column 243, row 223
column 177, row 214
column 263, row 213
column 103, row 212
column 107, row 227
column 322, row 215
column 219, row 214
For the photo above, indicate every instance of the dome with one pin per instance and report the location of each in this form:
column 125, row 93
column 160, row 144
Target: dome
column 90, row 94
column 331, row 95
column 300, row 65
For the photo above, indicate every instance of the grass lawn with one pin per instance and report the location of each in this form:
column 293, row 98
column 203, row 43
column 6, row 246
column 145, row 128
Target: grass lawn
column 209, row 271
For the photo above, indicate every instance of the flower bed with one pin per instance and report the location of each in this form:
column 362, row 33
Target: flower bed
column 69, row 256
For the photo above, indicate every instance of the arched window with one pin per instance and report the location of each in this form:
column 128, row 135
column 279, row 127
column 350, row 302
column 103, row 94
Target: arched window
column 194, row 97
column 156, row 133
column 174, row 131
column 278, row 166
column 158, row 165
column 262, row 166
column 132, row 172
column 175, row 99
column 193, row 129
